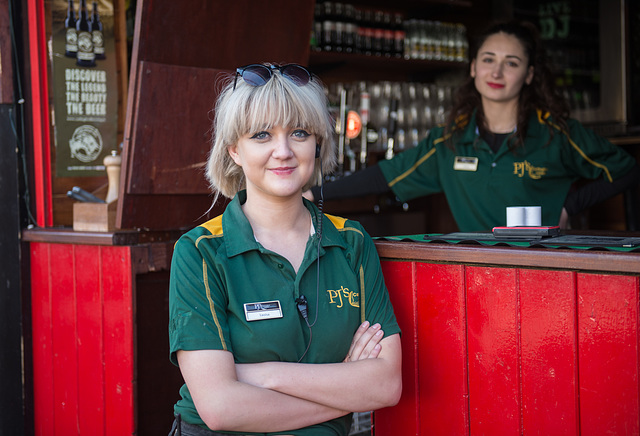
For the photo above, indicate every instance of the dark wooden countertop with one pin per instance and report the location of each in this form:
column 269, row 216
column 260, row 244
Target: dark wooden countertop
column 150, row 251
column 552, row 258
column 66, row 235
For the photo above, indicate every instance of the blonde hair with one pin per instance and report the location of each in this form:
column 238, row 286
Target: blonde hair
column 249, row 109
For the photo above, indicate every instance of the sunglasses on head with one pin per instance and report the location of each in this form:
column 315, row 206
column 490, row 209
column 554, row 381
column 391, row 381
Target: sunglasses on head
column 259, row 75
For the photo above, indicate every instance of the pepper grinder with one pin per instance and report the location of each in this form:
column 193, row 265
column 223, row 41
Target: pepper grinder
column 112, row 164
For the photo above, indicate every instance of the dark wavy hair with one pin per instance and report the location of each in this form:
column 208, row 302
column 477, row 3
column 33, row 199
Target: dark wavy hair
column 541, row 94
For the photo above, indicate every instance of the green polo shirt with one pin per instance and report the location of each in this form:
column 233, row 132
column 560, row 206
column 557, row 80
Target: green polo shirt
column 219, row 274
column 479, row 184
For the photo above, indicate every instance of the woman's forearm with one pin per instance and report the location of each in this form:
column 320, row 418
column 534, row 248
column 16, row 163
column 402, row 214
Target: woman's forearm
column 359, row 386
column 225, row 403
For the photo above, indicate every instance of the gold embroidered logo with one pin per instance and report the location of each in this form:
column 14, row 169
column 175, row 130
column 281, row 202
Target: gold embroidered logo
column 522, row 168
column 339, row 296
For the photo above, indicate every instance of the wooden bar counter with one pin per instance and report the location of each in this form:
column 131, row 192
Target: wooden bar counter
column 505, row 341
column 496, row 340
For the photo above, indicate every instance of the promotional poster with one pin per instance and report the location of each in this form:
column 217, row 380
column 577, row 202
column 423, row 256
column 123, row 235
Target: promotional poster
column 84, row 90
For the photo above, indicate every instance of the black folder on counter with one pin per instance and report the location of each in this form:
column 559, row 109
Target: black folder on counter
column 552, row 241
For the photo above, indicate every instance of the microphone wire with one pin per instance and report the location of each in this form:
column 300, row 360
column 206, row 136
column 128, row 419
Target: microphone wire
column 321, row 216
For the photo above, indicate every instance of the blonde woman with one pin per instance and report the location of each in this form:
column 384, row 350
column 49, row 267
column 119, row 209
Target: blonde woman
column 280, row 320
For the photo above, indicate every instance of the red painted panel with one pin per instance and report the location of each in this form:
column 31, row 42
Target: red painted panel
column 494, row 400
column 442, row 350
column 548, row 352
column 65, row 367
column 118, row 339
column 41, row 342
column 403, row 418
column 608, row 354
column 40, row 112
column 90, row 340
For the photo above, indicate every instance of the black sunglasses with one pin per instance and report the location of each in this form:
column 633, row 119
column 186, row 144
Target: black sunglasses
column 259, row 75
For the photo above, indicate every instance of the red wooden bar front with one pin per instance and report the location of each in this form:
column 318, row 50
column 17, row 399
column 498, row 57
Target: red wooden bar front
column 82, row 339
column 508, row 341
column 496, row 341
column 93, row 348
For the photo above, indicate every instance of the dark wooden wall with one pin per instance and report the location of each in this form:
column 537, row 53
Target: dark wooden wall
column 180, row 50
column 11, row 320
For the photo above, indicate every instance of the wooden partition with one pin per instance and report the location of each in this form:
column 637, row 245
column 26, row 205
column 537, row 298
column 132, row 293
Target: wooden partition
column 507, row 341
column 180, row 49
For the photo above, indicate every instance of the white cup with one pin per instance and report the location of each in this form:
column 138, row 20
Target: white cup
column 515, row 216
column 533, row 216
column 530, row 216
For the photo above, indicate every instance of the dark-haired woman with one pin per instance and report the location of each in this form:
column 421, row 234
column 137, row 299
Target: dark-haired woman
column 508, row 141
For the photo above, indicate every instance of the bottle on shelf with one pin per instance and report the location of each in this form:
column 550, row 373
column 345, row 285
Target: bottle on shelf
column 339, row 24
column 350, row 29
column 85, row 56
column 388, row 38
column 328, row 27
column 378, row 33
column 462, row 44
column 316, row 32
column 436, row 37
column 97, row 34
column 425, row 44
column 412, row 39
column 367, row 32
column 398, row 36
column 71, row 35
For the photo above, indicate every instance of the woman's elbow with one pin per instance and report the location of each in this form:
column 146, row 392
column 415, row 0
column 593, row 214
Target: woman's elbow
column 394, row 392
column 393, row 376
column 216, row 416
column 389, row 392
column 213, row 420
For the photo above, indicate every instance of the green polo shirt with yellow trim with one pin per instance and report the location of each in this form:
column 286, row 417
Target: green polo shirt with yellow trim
column 219, row 269
column 479, row 184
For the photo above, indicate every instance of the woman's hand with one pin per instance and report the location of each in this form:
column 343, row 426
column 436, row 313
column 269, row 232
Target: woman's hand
column 564, row 219
column 365, row 343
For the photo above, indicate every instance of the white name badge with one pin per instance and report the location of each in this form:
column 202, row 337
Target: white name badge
column 464, row 163
column 262, row 310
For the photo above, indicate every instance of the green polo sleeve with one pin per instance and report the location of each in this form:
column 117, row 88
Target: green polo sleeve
column 374, row 296
column 197, row 319
column 591, row 156
column 414, row 173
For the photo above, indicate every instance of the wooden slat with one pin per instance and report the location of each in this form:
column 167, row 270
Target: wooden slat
column 608, row 354
column 118, row 340
column 90, row 334
column 171, row 136
column 442, row 350
column 404, row 418
column 65, row 358
column 548, row 352
column 42, row 342
column 494, row 398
